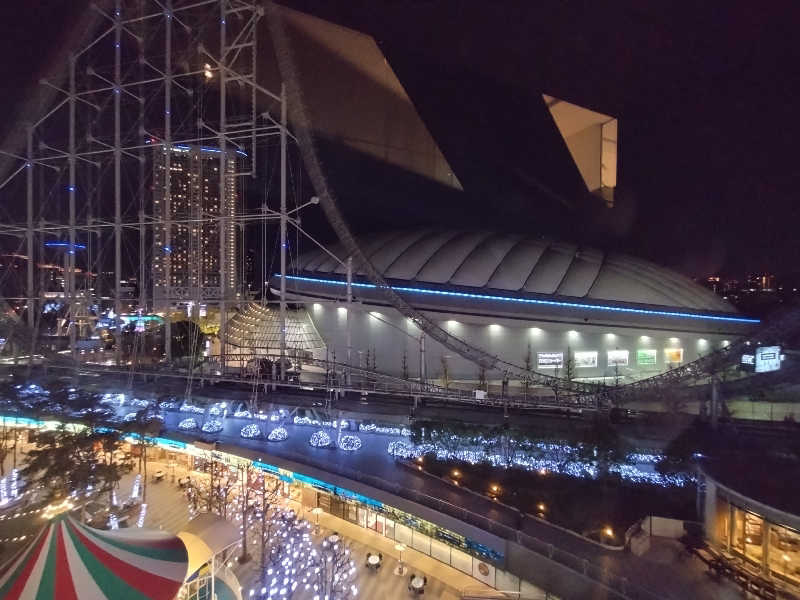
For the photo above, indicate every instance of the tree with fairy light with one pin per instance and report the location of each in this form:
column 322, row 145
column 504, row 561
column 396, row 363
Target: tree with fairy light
column 332, row 572
column 289, row 556
column 267, row 507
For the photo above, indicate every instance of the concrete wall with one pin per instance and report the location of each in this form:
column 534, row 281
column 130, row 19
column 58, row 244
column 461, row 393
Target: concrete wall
column 663, row 527
column 388, row 334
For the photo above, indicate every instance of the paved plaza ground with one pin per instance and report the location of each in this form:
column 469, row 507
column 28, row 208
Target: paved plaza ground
column 167, row 509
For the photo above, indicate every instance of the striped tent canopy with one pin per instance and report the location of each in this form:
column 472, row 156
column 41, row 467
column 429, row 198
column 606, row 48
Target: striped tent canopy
column 70, row 561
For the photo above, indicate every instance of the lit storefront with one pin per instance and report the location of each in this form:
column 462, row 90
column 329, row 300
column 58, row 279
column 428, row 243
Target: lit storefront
column 765, row 537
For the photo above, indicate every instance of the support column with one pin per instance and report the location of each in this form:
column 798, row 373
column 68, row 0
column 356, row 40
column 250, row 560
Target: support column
column 422, row 367
column 223, row 192
column 69, row 279
column 765, row 527
column 117, row 180
column 349, row 333
column 282, row 322
column 167, row 149
column 714, row 401
column 29, row 287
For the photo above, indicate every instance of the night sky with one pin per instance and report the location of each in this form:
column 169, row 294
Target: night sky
column 707, row 102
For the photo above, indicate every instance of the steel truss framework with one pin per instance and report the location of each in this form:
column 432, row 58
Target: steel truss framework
column 157, row 74
column 152, row 78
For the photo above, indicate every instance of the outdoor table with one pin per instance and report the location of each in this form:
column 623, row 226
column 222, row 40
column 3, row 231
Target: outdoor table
column 417, row 583
column 374, row 559
column 159, row 474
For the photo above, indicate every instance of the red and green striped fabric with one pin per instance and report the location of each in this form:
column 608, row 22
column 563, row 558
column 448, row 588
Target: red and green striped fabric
column 70, row 561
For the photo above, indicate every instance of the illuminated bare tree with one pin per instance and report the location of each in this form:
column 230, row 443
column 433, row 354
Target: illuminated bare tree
column 332, row 572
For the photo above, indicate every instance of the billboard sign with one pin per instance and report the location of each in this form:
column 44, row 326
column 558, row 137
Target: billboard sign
column 768, row 358
column 585, row 359
column 550, row 360
column 646, row 357
column 749, row 359
column 617, row 358
column 673, row 356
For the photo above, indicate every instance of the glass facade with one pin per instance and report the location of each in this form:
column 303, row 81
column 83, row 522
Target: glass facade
column 445, row 546
column 770, row 547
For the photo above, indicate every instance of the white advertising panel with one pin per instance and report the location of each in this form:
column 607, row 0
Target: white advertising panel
column 585, row 359
column 483, row 571
column 617, row 358
column 748, row 359
column 768, row 358
column 550, row 360
column 646, row 357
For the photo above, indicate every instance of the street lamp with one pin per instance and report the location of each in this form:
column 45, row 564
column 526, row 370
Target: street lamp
column 401, row 569
column 316, row 511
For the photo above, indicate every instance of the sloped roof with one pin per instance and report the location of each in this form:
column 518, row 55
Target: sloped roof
column 515, row 263
column 70, row 560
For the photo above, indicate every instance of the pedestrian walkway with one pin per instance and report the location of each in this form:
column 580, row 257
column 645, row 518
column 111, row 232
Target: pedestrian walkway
column 444, row 582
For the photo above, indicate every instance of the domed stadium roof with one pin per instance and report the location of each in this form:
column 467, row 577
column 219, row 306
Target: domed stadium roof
column 515, row 263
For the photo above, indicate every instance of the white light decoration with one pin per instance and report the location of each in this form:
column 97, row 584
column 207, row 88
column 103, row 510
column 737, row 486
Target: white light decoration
column 140, row 403
column 142, row 513
column 243, row 414
column 350, row 443
column 137, row 482
column 279, row 434
column 129, row 417
column 188, row 407
column 251, row 431
column 187, row 424
column 544, row 457
column 320, row 439
column 212, row 426
column 4, row 499
column 220, row 408
column 372, row 428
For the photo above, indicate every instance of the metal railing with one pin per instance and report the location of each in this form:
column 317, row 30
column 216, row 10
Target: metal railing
column 610, row 580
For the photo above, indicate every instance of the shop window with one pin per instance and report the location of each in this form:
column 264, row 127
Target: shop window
column 722, row 522
column 461, row 561
column 362, row 517
column 389, row 529
column 402, row 534
column 784, row 552
column 380, row 524
column 352, row 513
column 372, row 520
column 753, row 536
column 440, row 551
column 421, row 542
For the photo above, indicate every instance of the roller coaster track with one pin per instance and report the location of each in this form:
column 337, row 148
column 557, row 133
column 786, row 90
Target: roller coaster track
column 707, row 365
column 780, row 328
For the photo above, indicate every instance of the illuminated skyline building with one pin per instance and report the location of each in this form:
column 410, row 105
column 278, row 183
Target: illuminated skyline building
column 189, row 258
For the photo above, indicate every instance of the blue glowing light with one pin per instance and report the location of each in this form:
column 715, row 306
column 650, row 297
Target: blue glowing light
column 65, row 245
column 167, row 249
column 537, row 301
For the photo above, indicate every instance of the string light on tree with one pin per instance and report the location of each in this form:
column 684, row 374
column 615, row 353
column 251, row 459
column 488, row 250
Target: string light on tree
column 279, row 434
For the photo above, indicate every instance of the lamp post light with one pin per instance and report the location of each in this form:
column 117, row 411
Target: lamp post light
column 316, row 511
column 401, row 569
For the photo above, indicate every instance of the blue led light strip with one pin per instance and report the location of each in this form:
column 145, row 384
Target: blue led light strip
column 559, row 303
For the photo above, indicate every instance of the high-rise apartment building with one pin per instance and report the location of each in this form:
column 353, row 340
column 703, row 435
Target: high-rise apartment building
column 188, row 258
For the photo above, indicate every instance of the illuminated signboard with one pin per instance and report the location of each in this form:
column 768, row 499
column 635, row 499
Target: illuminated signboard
column 585, row 359
column 673, row 355
column 617, row 358
column 646, row 357
column 550, row 360
column 768, row 358
column 748, row 359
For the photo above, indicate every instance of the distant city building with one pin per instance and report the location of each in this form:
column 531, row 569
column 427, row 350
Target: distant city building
column 191, row 216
